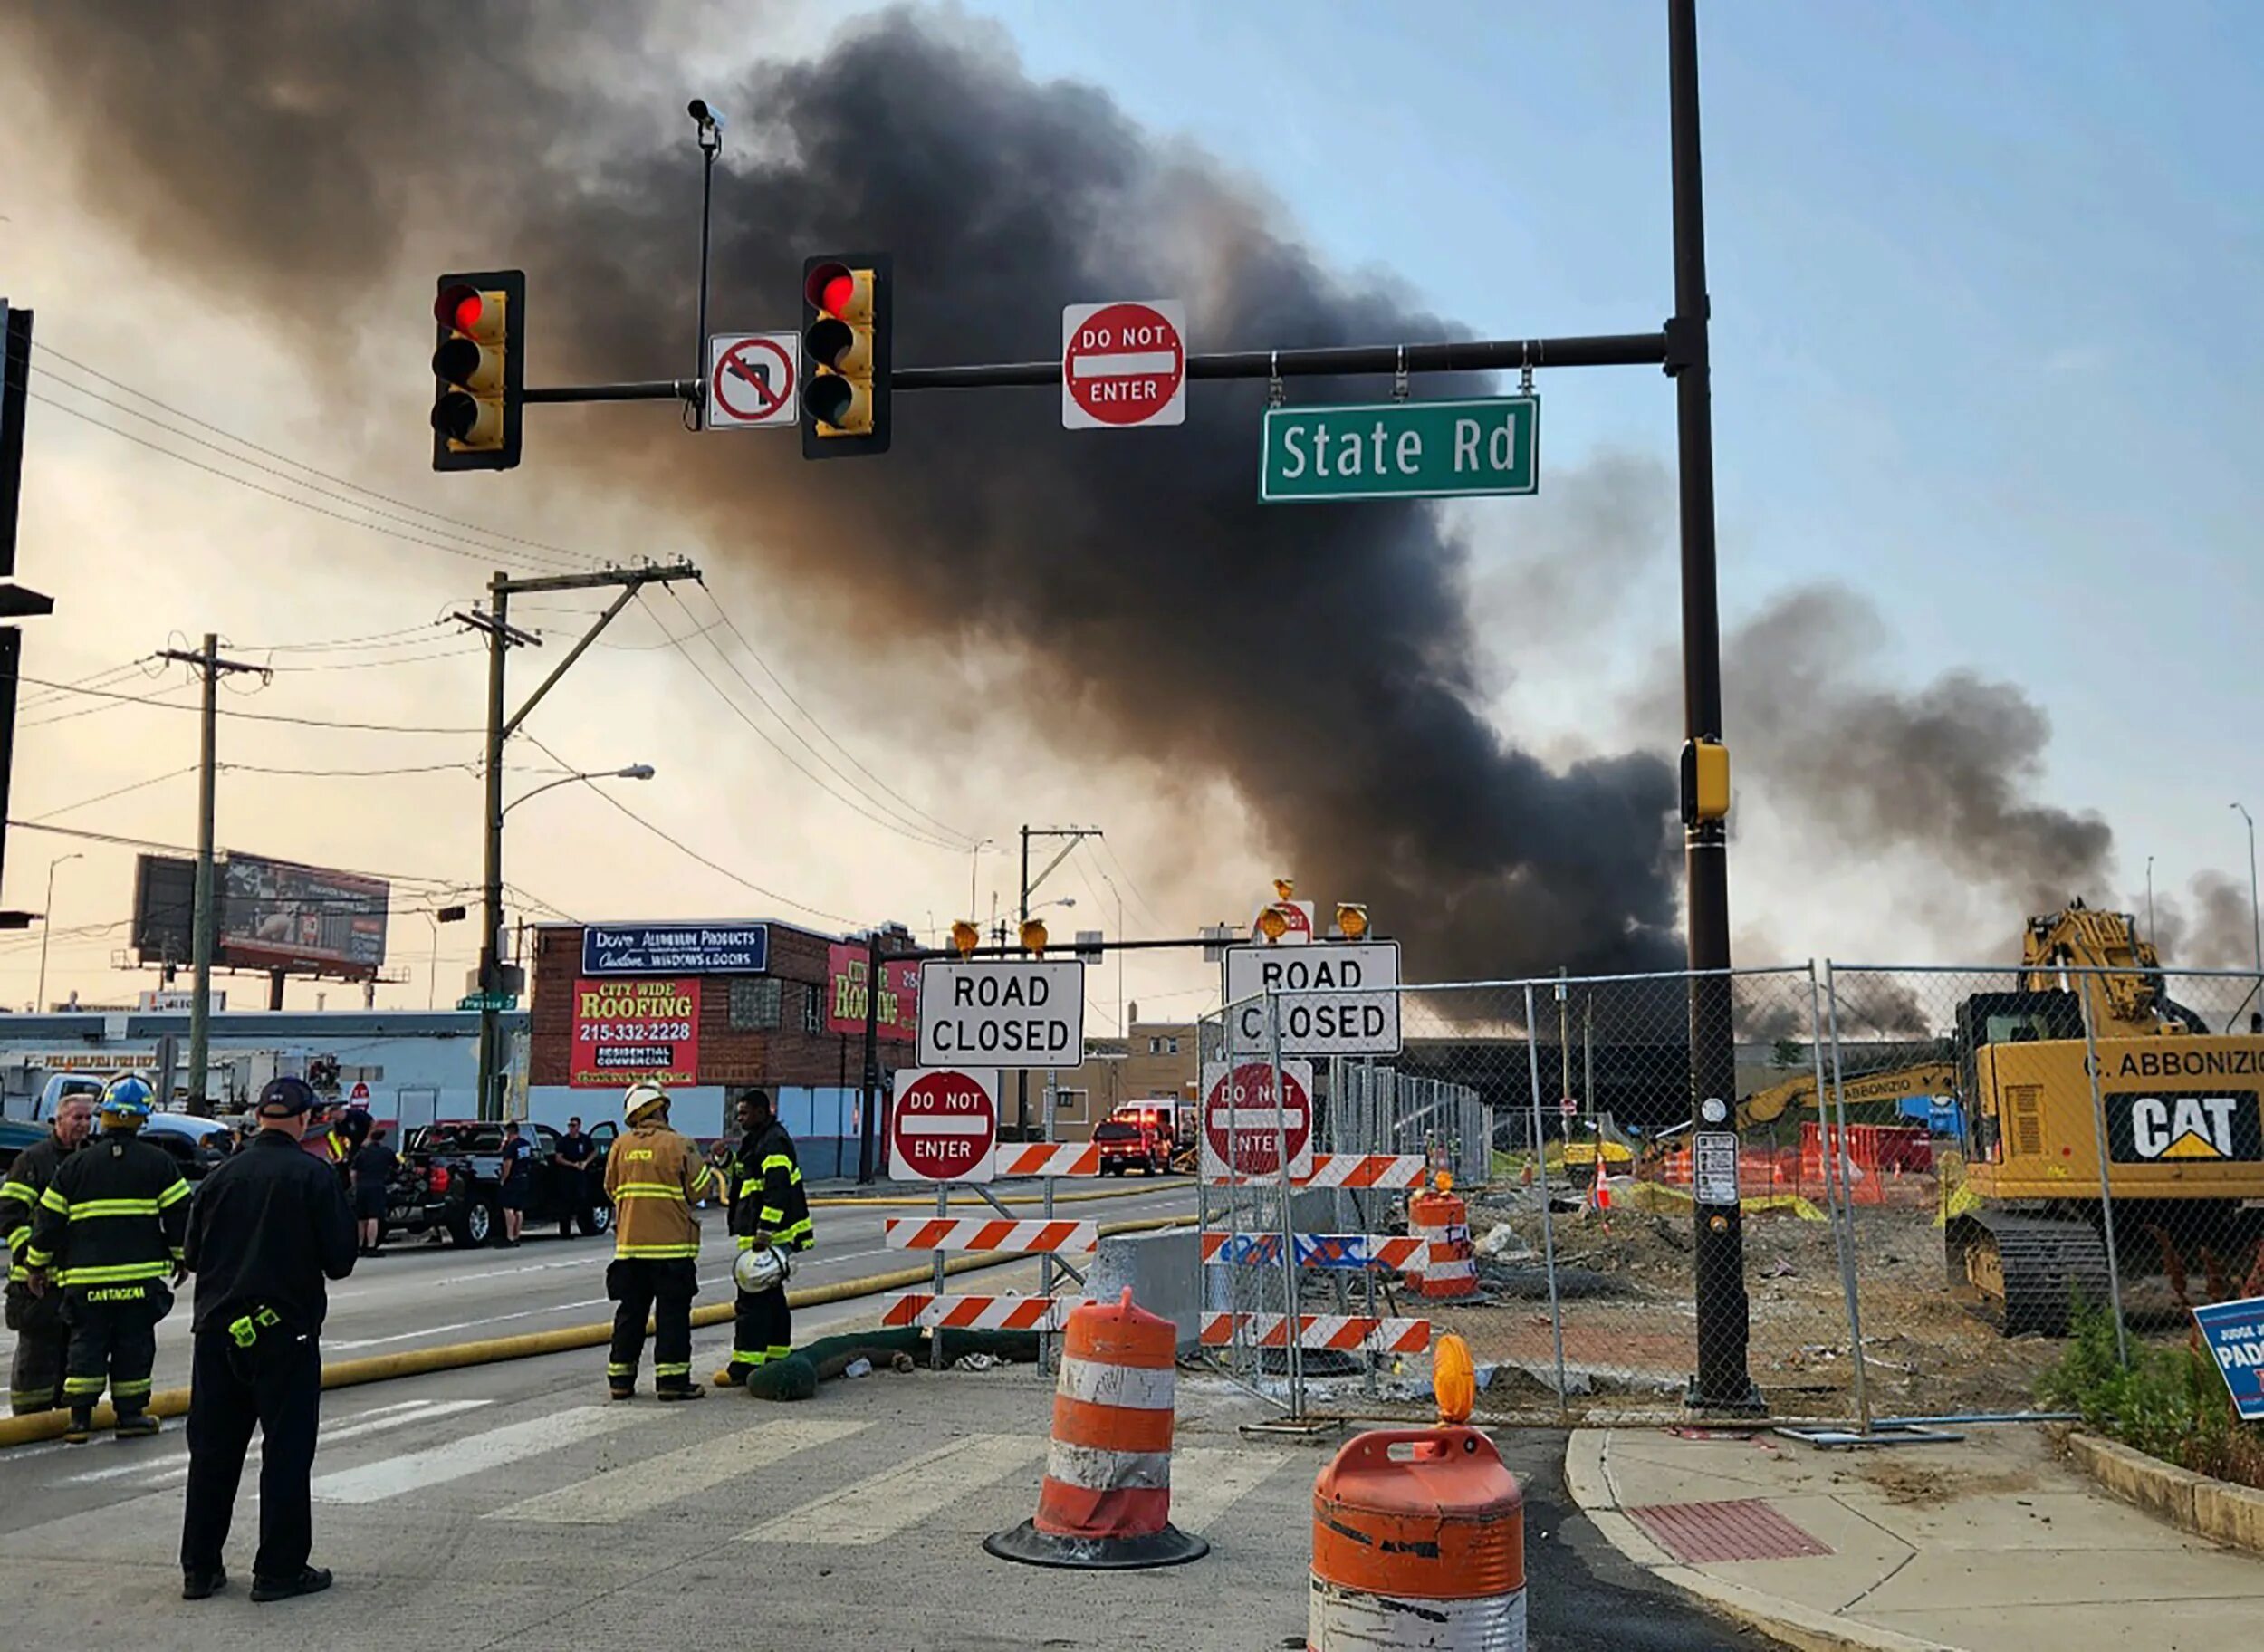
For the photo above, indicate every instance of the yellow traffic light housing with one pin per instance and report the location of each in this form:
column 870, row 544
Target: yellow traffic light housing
column 1033, row 935
column 966, row 938
column 1705, row 781
column 846, row 354
column 478, row 369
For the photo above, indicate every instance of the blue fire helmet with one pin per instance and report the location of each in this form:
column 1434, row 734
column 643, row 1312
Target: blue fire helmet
column 126, row 1100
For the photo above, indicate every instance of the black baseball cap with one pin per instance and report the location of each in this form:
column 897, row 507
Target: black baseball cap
column 286, row 1096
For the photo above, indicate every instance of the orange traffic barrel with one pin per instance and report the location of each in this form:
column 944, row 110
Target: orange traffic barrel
column 1446, row 1261
column 1418, row 1540
column 1106, row 1499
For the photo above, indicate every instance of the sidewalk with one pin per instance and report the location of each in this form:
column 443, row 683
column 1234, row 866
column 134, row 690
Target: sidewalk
column 1987, row 1545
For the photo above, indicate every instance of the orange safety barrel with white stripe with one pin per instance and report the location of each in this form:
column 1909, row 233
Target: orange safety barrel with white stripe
column 1106, row 1498
column 1418, row 1540
column 1448, row 1266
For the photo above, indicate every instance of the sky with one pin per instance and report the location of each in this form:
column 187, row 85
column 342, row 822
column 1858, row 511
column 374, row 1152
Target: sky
column 1981, row 277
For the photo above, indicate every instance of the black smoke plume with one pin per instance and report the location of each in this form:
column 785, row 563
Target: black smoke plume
column 1323, row 659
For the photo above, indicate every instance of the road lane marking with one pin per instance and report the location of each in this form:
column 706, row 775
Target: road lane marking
column 607, row 1497
column 877, row 1507
column 474, row 1454
column 1206, row 1480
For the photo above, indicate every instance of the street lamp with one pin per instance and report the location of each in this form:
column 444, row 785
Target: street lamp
column 47, row 927
column 445, row 914
column 636, row 771
column 975, row 859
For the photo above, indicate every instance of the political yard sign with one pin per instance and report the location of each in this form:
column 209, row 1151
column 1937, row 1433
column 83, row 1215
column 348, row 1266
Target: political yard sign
column 2235, row 1331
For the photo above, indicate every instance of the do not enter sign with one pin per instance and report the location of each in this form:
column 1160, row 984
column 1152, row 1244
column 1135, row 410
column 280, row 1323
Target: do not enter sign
column 1242, row 1131
column 943, row 1126
column 1124, row 364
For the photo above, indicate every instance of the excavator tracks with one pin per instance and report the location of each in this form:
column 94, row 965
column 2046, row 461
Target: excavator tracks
column 2031, row 1269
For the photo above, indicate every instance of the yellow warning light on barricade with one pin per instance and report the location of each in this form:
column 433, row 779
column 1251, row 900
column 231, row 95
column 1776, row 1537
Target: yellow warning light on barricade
column 1284, row 889
column 1033, row 935
column 1453, row 1379
column 1351, row 919
column 1271, row 923
column 966, row 938
column 1443, row 1181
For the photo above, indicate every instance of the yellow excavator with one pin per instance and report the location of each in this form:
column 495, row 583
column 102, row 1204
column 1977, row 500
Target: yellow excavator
column 2176, row 1105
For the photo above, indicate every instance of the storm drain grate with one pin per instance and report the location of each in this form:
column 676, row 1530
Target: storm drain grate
column 1748, row 1530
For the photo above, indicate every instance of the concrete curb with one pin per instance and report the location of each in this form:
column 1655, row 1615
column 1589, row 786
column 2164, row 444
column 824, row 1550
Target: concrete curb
column 1588, row 1479
column 492, row 1351
column 2218, row 1510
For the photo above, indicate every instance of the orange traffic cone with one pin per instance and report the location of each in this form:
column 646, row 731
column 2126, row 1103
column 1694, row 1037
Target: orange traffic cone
column 1104, row 1503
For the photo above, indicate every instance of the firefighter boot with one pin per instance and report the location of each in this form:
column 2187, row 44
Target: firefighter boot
column 82, row 1426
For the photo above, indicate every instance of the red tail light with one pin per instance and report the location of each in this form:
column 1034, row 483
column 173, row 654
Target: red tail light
column 437, row 1178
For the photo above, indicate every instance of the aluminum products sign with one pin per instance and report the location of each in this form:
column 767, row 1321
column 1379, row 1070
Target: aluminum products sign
column 675, row 950
column 1012, row 1012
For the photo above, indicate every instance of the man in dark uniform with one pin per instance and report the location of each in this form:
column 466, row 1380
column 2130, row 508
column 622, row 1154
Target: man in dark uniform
column 106, row 1234
column 267, row 1227
column 575, row 1154
column 43, row 1339
column 768, row 1207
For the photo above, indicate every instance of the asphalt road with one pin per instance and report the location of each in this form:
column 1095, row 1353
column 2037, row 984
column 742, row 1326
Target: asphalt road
column 422, row 1295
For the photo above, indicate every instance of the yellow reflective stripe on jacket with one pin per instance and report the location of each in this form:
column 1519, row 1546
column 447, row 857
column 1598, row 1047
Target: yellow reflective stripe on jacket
column 50, row 1199
column 83, row 1210
column 21, row 1237
column 799, row 1236
column 781, row 1161
column 656, row 1250
column 768, row 1214
column 120, row 1273
column 647, row 1190
column 174, row 1195
column 704, row 1179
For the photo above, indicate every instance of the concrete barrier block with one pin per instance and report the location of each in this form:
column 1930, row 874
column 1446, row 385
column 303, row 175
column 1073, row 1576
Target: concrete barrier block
column 2135, row 1477
column 1165, row 1273
column 2231, row 1515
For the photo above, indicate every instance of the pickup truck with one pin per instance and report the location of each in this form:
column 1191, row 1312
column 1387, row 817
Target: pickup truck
column 17, row 1134
column 466, row 1160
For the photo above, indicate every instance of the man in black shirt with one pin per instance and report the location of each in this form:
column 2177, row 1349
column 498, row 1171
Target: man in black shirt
column 265, row 1229
column 371, row 1172
column 572, row 1160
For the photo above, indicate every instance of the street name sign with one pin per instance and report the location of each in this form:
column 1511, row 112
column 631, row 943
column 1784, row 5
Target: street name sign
column 751, row 381
column 1401, row 450
column 1242, row 1132
column 1018, row 1013
column 1124, row 364
column 1337, row 998
column 943, row 1126
column 498, row 1002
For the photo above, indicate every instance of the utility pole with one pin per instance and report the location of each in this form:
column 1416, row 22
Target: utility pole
column 869, row 1132
column 503, row 637
column 205, row 919
column 16, row 602
column 1075, row 834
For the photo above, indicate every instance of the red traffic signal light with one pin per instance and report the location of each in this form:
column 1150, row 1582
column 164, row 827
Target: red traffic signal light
column 479, row 366
column 846, row 354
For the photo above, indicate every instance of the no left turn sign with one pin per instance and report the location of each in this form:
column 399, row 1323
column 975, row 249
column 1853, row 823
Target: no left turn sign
column 751, row 381
column 1124, row 364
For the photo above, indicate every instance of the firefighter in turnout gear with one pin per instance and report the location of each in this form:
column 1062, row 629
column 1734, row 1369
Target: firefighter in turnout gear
column 108, row 1232
column 42, row 1337
column 768, row 1208
column 652, row 1175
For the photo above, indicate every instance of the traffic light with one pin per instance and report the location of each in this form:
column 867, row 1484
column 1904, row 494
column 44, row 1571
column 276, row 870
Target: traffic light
column 1705, row 781
column 479, row 369
column 847, row 353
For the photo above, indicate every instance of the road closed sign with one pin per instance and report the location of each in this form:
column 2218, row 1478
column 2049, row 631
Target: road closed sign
column 1124, row 364
column 943, row 1126
column 1018, row 1013
column 1334, row 997
column 1244, row 1131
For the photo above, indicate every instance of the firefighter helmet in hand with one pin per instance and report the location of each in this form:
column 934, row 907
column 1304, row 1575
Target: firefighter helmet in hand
column 642, row 1099
column 126, row 1103
column 763, row 1268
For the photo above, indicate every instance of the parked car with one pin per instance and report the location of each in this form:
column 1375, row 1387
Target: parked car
column 197, row 1145
column 1124, row 1145
column 468, row 1155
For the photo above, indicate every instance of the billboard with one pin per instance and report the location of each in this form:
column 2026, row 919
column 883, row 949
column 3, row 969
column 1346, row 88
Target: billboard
column 165, row 895
column 277, row 915
column 898, row 1012
column 692, row 949
column 625, row 1031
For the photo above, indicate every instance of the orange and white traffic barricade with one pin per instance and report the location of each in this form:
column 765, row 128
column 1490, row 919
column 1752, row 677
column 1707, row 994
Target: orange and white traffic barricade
column 940, row 1312
column 1044, row 1158
column 1419, row 1537
column 1106, row 1499
column 1447, row 1265
column 988, row 1233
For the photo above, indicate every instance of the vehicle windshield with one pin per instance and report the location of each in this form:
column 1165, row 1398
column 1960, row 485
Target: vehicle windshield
column 1116, row 1130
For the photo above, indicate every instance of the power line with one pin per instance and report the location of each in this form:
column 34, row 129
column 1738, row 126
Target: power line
column 467, row 766
column 1116, row 861
column 555, row 554
column 890, row 821
column 369, row 665
column 255, row 716
column 104, row 797
column 119, row 840
column 404, row 637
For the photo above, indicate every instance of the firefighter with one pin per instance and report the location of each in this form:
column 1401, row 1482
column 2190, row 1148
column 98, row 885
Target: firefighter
column 43, row 1339
column 652, row 1176
column 768, row 1210
column 108, row 1232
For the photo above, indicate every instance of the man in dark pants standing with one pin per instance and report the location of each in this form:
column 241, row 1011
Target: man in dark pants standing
column 768, row 1207
column 267, row 1228
column 43, row 1337
column 572, row 1160
column 652, row 1175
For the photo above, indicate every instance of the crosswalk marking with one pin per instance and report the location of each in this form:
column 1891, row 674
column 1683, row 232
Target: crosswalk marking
column 171, row 1469
column 422, row 1470
column 1208, row 1480
column 622, row 1492
column 877, row 1507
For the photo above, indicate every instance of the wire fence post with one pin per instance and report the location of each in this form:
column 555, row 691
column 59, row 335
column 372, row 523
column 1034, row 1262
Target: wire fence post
column 1290, row 1293
column 1547, row 1221
column 1838, row 1196
column 2106, row 1193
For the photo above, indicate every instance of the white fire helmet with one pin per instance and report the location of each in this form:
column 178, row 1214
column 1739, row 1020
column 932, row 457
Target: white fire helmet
column 763, row 1268
column 642, row 1099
